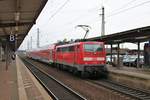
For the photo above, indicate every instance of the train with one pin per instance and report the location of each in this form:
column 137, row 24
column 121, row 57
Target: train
column 86, row 58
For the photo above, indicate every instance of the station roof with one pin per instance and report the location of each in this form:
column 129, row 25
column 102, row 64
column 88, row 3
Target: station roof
column 135, row 35
column 18, row 16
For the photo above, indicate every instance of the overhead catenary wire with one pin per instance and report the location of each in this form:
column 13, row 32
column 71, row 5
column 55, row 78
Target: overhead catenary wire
column 91, row 20
column 76, row 19
column 55, row 13
column 124, row 6
column 111, row 14
column 59, row 9
column 128, row 3
column 122, row 11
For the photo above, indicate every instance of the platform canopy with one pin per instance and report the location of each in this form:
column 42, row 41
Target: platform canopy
column 17, row 17
column 134, row 35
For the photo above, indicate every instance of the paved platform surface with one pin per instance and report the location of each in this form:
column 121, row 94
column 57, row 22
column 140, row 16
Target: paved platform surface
column 131, row 71
column 8, row 82
column 17, row 83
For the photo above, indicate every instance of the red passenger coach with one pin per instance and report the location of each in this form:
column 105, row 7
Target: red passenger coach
column 85, row 57
column 44, row 54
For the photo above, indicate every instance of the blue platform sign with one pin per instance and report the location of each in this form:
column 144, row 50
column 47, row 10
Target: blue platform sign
column 11, row 38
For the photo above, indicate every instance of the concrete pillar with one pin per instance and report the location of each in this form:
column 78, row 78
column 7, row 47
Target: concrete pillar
column 118, row 58
column 6, row 55
column 0, row 52
column 138, row 59
column 111, row 53
column 16, row 41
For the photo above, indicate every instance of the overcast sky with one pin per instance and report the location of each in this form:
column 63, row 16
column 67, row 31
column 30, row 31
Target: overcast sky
column 59, row 19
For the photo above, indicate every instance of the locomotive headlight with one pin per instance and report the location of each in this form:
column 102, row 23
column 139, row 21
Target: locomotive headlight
column 100, row 58
column 87, row 59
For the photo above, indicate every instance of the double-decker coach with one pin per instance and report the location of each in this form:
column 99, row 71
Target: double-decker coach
column 45, row 54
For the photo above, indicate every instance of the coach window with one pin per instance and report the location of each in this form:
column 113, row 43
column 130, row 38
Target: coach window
column 58, row 49
column 65, row 49
column 71, row 48
column 78, row 48
column 62, row 49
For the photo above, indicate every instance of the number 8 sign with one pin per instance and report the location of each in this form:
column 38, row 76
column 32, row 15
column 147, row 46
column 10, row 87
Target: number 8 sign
column 11, row 38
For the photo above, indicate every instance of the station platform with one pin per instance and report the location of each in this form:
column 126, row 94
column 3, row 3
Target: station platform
column 17, row 83
column 131, row 71
column 134, row 77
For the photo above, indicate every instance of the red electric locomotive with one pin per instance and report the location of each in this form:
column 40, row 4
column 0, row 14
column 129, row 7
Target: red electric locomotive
column 85, row 57
column 88, row 58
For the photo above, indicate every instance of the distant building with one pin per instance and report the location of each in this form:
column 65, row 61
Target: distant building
column 123, row 51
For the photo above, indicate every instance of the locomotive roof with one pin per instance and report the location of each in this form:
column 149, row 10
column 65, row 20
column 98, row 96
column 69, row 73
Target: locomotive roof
column 77, row 43
column 52, row 46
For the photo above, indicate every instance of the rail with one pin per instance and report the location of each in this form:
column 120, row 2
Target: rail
column 55, row 88
column 131, row 92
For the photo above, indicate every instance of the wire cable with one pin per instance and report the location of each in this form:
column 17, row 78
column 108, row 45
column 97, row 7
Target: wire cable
column 59, row 9
column 128, row 8
column 125, row 5
column 53, row 15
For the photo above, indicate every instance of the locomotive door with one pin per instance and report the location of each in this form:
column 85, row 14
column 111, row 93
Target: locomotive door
column 51, row 56
column 77, row 49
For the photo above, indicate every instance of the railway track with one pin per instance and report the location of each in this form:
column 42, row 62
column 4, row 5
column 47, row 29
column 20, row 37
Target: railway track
column 125, row 91
column 55, row 88
column 133, row 93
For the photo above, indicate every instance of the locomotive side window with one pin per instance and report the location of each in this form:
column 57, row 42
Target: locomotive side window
column 71, row 48
column 65, row 49
column 93, row 47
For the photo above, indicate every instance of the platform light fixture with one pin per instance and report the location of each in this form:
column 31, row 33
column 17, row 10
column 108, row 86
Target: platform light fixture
column 17, row 16
column 16, row 28
column 143, row 37
column 117, row 40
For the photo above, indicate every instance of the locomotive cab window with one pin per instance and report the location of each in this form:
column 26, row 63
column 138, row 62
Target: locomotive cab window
column 93, row 47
